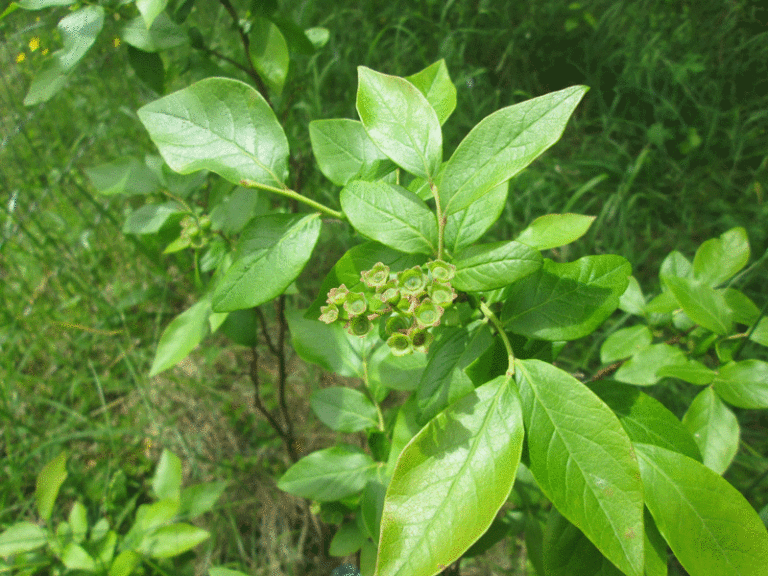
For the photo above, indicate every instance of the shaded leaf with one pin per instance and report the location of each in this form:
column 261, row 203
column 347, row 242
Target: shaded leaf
column 744, row 384
column 489, row 266
column 344, row 409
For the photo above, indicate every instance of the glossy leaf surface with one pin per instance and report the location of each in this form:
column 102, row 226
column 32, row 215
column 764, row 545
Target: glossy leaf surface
column 330, row 474
column 181, row 336
column 718, row 259
column 714, row 428
column 272, row 252
column 343, row 149
column 344, row 409
column 390, row 214
column 400, row 121
column 490, row 266
column 643, row 368
column 744, row 384
column 704, row 305
column 222, row 125
column 465, row 226
column 583, row 461
column 554, row 230
column 450, row 482
column 435, row 83
column 709, row 525
column 566, row 301
column 504, row 143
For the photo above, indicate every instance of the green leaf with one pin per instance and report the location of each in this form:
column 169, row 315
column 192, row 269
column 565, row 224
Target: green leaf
column 329, row 345
column 344, row 409
column 709, row 525
column 692, row 371
column 450, row 482
column 625, row 343
column 200, row 498
column 78, row 521
column 435, row 83
column 163, row 35
column 237, row 209
column 714, row 428
column 704, row 305
column 390, row 214
column 643, row 368
column 172, row 540
column 22, row 537
column 645, row 419
column 40, row 4
column 149, row 67
column 49, row 482
column 490, row 266
column 400, row 121
column 744, row 384
column 744, row 310
column 443, row 380
column 318, row 36
column 78, row 31
column 269, row 53
column 75, row 557
column 150, row 218
column 218, row 571
column 583, row 461
column 347, row 540
column 330, row 474
column 760, row 333
column 125, row 563
column 566, row 301
column 167, row 479
column 465, row 226
column 343, row 149
column 632, row 300
column 675, row 264
column 554, row 230
column 272, row 252
column 221, row 125
column 181, row 336
column 396, row 372
column 504, row 143
column 718, row 259
column 124, row 176
column 372, row 506
column 150, row 9
column 567, row 552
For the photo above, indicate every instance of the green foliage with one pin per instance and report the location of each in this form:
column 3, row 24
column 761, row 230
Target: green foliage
column 157, row 531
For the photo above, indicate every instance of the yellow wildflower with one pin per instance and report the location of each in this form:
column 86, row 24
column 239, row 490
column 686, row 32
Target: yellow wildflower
column 116, row 42
column 34, row 43
column 21, row 57
column 44, row 52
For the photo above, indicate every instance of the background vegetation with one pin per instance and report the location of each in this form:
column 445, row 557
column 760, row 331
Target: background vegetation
column 669, row 148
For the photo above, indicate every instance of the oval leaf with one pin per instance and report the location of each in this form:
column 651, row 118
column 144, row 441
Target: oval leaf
column 566, row 301
column 167, row 479
column 465, row 226
column 273, row 251
column 172, row 540
column 400, row 121
column 435, row 83
column 714, row 428
column 391, row 215
column 718, row 259
column 490, row 266
column 704, row 305
column 330, row 474
column 22, row 537
column 644, row 367
column 624, row 343
column 583, row 461
column 450, row 482
column 504, row 143
column 553, row 230
column 744, row 384
column 344, row 409
column 181, row 336
column 222, row 125
column 711, row 536
column 49, row 482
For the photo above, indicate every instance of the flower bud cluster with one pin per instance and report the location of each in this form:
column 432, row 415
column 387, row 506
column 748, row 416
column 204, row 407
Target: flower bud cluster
column 410, row 302
column 195, row 232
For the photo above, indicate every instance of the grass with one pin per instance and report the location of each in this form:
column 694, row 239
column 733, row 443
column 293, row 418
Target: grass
column 667, row 150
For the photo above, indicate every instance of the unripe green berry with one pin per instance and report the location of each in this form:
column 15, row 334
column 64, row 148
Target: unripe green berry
column 359, row 326
column 329, row 314
column 396, row 323
column 427, row 314
column 441, row 293
column 376, row 277
column 400, row 344
column 355, row 304
column 338, row 295
column 421, row 340
column 390, row 293
column 441, row 271
column 412, row 281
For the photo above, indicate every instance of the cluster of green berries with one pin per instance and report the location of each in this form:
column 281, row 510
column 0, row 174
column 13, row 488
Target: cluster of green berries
column 195, row 232
column 412, row 302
